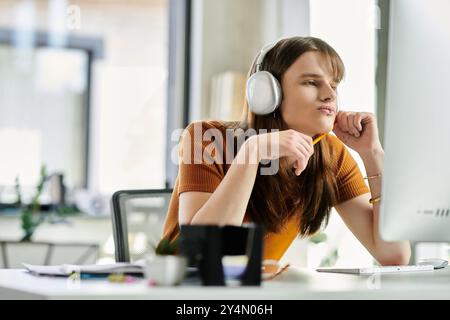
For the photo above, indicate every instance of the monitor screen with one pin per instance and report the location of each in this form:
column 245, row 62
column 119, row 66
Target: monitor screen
column 416, row 183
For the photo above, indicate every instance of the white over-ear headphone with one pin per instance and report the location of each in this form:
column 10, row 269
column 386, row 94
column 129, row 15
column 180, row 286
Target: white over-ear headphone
column 263, row 91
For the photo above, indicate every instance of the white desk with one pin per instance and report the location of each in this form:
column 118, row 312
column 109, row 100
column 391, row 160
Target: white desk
column 292, row 284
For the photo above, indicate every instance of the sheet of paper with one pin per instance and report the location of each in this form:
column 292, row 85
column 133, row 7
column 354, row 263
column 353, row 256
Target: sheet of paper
column 67, row 269
column 45, row 270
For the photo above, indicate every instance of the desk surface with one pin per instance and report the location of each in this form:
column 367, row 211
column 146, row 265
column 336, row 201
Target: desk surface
column 294, row 283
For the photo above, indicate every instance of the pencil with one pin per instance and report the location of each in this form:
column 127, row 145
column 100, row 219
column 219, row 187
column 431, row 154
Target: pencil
column 320, row 137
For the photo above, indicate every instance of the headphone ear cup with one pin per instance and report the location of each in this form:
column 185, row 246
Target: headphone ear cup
column 263, row 93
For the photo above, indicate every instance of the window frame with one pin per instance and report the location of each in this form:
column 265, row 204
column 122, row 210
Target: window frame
column 94, row 49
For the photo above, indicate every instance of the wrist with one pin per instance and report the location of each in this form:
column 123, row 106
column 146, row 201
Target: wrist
column 373, row 161
column 375, row 152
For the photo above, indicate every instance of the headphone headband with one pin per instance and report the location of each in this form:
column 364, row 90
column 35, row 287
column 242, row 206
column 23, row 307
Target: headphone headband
column 262, row 54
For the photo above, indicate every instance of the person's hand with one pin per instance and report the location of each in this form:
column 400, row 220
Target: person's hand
column 295, row 146
column 358, row 130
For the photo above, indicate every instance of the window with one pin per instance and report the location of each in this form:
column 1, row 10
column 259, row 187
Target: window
column 43, row 109
column 130, row 91
column 349, row 27
column 43, row 114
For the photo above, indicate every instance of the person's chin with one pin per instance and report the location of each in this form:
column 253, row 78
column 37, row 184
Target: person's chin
column 314, row 126
column 325, row 126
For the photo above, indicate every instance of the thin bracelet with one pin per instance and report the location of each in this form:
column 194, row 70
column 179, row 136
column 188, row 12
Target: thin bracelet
column 375, row 200
column 372, row 177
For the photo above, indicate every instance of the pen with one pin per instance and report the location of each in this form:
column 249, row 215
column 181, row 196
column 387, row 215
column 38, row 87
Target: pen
column 320, row 137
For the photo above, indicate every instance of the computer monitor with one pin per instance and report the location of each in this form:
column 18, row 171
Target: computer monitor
column 416, row 182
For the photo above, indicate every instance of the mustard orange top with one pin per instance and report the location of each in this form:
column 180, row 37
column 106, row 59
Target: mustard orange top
column 205, row 177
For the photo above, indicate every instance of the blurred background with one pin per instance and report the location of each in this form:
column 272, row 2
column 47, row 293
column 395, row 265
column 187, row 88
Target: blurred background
column 93, row 92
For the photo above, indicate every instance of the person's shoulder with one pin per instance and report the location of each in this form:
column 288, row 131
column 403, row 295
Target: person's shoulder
column 334, row 143
column 337, row 150
column 211, row 127
column 208, row 138
column 201, row 132
column 210, row 124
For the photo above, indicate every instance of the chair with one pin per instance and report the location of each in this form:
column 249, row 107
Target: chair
column 138, row 213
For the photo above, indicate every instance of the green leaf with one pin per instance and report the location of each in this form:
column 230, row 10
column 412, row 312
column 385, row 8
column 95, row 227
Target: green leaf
column 167, row 247
column 330, row 260
column 30, row 214
column 318, row 238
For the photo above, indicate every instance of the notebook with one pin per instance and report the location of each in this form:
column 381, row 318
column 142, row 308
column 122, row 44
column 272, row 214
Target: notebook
column 96, row 269
column 381, row 269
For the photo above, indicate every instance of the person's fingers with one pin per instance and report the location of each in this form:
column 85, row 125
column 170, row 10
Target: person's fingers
column 307, row 138
column 298, row 164
column 357, row 121
column 301, row 165
column 297, row 155
column 342, row 135
column 351, row 125
column 295, row 150
column 342, row 121
column 303, row 149
column 307, row 144
column 292, row 161
column 298, row 148
column 299, row 169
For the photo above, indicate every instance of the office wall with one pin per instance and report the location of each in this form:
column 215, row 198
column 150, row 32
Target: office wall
column 349, row 26
column 227, row 34
column 225, row 37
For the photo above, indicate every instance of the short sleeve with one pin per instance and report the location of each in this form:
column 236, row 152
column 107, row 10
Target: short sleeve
column 200, row 158
column 350, row 182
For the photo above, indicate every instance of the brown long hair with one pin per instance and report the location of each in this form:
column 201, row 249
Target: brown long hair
column 275, row 198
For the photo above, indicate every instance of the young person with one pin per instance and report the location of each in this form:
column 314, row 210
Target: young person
column 279, row 178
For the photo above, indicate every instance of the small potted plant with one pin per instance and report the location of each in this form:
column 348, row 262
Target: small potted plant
column 30, row 214
column 164, row 267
